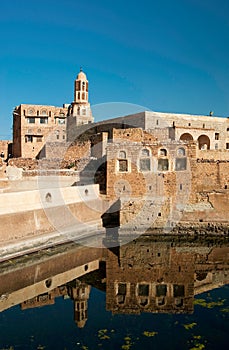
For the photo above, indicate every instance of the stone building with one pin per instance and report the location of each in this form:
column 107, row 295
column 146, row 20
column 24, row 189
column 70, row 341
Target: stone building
column 36, row 125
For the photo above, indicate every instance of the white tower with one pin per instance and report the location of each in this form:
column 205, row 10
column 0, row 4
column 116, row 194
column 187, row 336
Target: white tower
column 81, row 109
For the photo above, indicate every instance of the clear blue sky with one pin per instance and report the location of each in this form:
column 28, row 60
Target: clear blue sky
column 164, row 55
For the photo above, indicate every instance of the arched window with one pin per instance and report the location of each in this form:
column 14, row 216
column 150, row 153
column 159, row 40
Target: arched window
column 163, row 162
column 186, row 137
column 204, row 142
column 122, row 162
column 163, row 152
column 181, row 160
column 144, row 162
column 181, row 152
column 122, row 154
column 145, row 152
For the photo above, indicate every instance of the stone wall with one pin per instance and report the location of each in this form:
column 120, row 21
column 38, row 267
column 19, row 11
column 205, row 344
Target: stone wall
column 145, row 277
column 4, row 148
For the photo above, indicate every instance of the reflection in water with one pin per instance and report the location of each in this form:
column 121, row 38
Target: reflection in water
column 153, row 275
column 140, row 295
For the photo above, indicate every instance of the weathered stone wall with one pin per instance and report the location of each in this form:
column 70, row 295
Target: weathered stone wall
column 151, row 265
column 24, row 163
column 34, row 125
column 4, row 146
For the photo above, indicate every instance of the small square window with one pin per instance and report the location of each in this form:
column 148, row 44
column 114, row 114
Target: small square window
column 216, row 136
column 161, row 290
column 31, row 120
column 163, row 165
column 122, row 165
column 143, row 290
column 178, row 290
column 44, row 120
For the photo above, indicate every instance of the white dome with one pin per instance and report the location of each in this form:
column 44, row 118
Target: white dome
column 81, row 76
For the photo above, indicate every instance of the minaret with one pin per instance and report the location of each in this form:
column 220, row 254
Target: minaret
column 81, row 109
column 79, row 292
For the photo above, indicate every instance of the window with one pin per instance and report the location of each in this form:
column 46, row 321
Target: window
column 122, row 165
column 39, row 139
column 181, row 161
column 44, row 112
column 216, row 136
column 181, row 152
column 178, row 290
column 121, row 293
column 163, row 165
column 163, row 152
column 144, row 163
column 122, row 154
column 216, row 146
column 145, row 152
column 203, row 126
column 227, row 145
column 122, row 288
column 31, row 111
column 161, row 290
column 181, row 164
column 143, row 290
column 29, row 138
column 31, row 120
column 44, row 120
column 61, row 121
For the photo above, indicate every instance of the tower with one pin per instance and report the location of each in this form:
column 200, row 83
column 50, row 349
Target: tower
column 80, row 107
column 79, row 292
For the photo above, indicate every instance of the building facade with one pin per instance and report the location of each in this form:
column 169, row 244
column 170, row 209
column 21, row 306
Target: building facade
column 36, row 125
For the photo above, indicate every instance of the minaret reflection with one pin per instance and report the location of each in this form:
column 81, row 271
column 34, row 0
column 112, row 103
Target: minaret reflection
column 79, row 292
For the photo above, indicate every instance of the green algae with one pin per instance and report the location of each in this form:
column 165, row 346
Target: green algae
column 102, row 334
column 128, row 343
column 149, row 334
column 189, row 325
column 210, row 304
column 198, row 346
column 226, row 309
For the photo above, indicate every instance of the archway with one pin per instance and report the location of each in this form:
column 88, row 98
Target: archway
column 186, row 137
column 204, row 142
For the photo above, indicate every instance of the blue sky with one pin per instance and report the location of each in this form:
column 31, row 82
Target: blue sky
column 169, row 56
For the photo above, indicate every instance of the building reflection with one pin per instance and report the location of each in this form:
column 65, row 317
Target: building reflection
column 149, row 274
